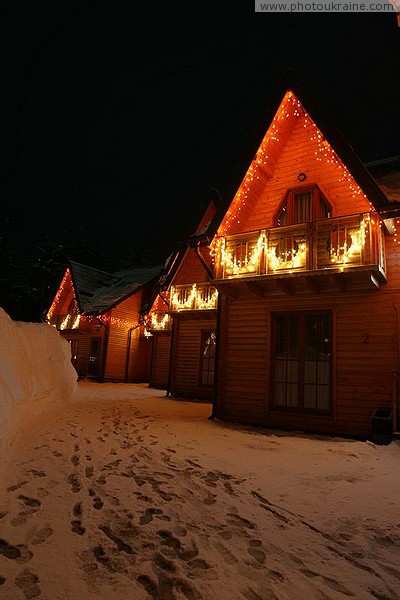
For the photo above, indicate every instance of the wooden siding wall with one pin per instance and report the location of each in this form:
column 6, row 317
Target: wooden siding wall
column 366, row 350
column 186, row 358
column 123, row 316
column 159, row 304
column 160, row 360
column 83, row 345
column 191, row 270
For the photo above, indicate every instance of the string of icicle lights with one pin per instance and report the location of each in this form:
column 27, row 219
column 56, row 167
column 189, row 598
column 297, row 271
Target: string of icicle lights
column 58, row 295
column 290, row 107
column 396, row 227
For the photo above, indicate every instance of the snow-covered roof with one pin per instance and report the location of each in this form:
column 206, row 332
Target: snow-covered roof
column 98, row 291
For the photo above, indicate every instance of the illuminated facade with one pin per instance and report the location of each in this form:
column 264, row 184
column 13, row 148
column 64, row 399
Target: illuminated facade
column 308, row 277
column 101, row 316
column 282, row 310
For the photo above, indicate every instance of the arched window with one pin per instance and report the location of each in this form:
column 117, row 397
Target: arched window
column 302, row 205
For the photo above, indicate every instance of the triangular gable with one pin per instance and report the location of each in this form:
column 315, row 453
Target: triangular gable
column 296, row 104
column 63, row 297
column 184, row 262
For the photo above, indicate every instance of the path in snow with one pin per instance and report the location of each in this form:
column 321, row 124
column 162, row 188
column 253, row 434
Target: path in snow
column 129, row 495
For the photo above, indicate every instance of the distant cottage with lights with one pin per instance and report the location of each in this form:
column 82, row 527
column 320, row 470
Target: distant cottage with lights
column 183, row 319
column 101, row 315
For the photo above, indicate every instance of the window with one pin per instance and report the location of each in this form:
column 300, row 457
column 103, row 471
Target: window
column 302, row 205
column 207, row 357
column 301, row 361
column 74, row 352
column 94, row 356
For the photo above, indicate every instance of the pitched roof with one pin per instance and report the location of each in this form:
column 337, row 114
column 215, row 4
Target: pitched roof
column 203, row 234
column 98, row 291
column 291, row 82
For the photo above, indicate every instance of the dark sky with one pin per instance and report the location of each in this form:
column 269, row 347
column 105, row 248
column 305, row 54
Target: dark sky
column 118, row 121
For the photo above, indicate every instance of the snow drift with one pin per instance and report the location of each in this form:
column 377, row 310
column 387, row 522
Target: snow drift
column 35, row 373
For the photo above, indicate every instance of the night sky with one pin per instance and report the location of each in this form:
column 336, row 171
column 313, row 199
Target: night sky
column 118, row 122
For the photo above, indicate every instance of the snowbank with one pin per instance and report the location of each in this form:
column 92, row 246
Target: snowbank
column 35, row 374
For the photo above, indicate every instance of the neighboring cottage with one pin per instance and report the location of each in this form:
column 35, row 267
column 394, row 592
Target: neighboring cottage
column 101, row 315
column 183, row 319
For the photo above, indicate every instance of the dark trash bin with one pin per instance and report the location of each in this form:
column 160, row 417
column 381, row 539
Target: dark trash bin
column 382, row 426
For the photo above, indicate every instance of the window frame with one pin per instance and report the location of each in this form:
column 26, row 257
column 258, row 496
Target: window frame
column 301, row 341
column 205, row 334
column 288, row 198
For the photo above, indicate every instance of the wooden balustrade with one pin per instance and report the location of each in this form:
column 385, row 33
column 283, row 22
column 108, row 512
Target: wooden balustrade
column 337, row 243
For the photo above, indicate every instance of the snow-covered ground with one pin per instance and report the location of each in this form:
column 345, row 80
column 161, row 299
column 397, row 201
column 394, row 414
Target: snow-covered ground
column 116, row 492
column 124, row 494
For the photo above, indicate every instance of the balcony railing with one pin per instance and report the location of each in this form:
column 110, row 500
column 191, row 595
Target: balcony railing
column 159, row 321
column 193, row 297
column 61, row 322
column 336, row 244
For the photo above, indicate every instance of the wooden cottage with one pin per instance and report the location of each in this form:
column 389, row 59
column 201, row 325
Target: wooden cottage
column 183, row 319
column 101, row 316
column 307, row 266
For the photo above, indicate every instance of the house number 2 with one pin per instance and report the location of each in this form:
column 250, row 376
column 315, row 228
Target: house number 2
column 365, row 338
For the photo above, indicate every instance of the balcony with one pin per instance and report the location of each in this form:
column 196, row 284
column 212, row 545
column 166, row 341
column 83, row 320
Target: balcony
column 349, row 244
column 159, row 321
column 62, row 322
column 200, row 296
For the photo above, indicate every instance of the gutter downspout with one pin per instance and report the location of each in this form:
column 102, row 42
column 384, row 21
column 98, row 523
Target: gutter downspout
column 213, row 414
column 163, row 299
column 203, row 262
column 168, row 391
column 105, row 347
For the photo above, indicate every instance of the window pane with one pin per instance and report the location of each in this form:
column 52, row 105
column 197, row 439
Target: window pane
column 292, row 394
column 292, row 337
column 279, row 394
column 207, row 358
column 280, row 370
column 323, row 372
column 311, row 337
column 292, row 371
column 310, row 372
column 309, row 396
column 324, row 211
column 302, row 207
column 323, row 399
